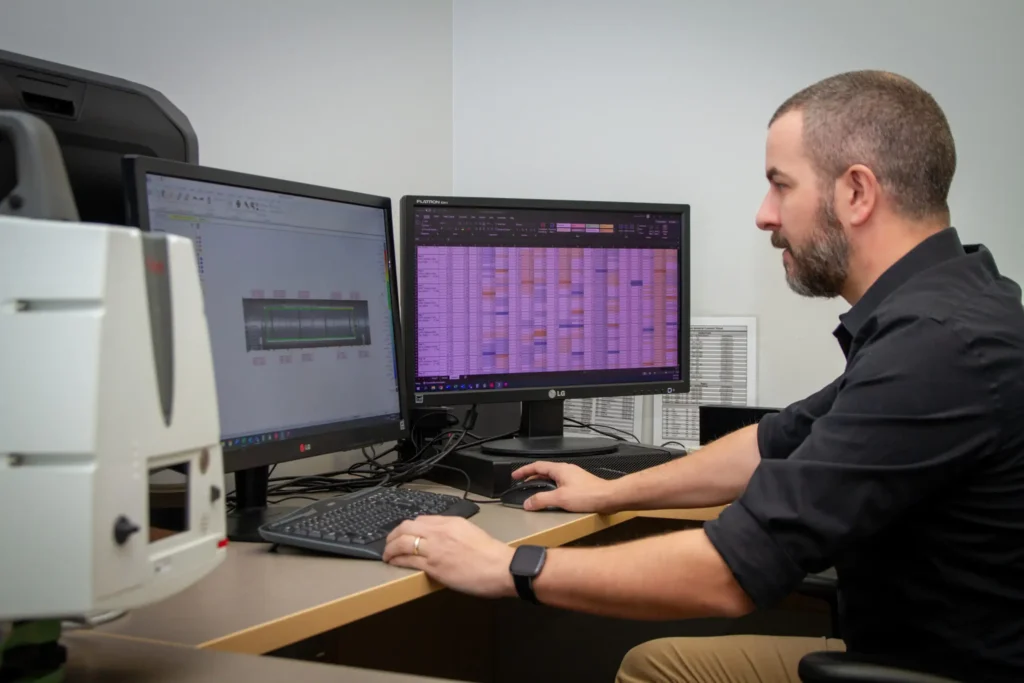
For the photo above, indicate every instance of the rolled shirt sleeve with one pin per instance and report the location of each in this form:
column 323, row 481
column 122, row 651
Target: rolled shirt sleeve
column 779, row 434
column 908, row 416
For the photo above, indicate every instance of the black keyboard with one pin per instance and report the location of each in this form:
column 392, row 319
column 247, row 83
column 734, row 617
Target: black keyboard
column 357, row 524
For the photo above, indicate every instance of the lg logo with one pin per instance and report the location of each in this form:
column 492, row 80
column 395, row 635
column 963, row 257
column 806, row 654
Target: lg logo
column 156, row 266
column 554, row 393
column 670, row 390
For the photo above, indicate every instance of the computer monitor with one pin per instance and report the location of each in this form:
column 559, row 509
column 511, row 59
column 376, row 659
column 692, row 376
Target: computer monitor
column 302, row 306
column 540, row 301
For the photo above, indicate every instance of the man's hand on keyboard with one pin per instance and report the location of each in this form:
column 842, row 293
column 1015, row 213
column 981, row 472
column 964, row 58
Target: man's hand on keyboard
column 455, row 552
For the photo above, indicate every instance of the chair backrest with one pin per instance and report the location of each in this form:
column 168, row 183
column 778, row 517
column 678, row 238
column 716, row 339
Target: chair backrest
column 845, row 667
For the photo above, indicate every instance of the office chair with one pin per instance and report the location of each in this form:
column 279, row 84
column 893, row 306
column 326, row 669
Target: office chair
column 846, row 667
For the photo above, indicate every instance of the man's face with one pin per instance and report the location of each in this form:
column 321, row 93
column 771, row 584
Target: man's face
column 799, row 212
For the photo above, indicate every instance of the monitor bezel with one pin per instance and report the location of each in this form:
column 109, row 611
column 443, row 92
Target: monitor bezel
column 408, row 205
column 136, row 168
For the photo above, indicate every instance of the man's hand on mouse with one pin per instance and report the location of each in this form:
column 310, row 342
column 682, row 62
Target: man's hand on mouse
column 578, row 490
column 454, row 552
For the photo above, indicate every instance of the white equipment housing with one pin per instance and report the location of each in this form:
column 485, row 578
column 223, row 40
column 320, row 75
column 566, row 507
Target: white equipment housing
column 106, row 375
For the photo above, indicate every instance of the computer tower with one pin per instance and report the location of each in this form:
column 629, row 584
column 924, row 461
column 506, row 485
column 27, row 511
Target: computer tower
column 715, row 421
column 491, row 475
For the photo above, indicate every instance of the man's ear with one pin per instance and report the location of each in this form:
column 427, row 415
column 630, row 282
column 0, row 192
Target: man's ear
column 858, row 193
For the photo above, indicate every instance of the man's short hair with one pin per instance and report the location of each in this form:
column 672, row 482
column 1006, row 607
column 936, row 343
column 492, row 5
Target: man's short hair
column 886, row 122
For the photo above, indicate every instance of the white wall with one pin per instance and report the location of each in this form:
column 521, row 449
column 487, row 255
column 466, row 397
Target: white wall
column 669, row 101
column 647, row 100
column 344, row 93
column 348, row 94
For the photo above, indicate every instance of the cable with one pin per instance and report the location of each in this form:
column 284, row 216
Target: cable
column 469, row 484
column 329, row 483
column 469, row 422
column 371, row 472
column 488, row 439
column 417, row 469
column 281, row 500
column 667, row 443
column 450, row 421
column 597, row 427
column 371, row 461
column 324, row 483
column 600, row 429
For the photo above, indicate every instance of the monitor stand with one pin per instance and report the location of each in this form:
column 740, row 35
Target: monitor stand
column 251, row 511
column 541, row 435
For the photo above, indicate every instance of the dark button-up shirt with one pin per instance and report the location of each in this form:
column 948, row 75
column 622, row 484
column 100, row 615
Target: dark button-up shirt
column 906, row 473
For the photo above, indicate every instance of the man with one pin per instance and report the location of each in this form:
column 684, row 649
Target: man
column 906, row 473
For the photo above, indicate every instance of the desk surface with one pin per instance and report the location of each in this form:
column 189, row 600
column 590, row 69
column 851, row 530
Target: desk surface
column 94, row 659
column 258, row 601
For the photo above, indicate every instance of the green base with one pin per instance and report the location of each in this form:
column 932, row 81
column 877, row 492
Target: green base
column 31, row 653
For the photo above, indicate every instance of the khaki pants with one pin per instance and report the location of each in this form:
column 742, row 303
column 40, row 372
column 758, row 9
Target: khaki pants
column 722, row 659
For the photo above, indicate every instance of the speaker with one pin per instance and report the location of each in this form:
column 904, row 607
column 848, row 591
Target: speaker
column 718, row 420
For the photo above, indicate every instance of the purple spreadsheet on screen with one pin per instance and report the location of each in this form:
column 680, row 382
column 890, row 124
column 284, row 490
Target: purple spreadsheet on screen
column 491, row 310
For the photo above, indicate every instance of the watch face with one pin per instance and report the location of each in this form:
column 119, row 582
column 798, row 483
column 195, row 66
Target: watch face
column 528, row 560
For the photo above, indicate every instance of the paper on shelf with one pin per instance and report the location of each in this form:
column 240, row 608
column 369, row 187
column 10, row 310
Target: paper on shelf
column 723, row 370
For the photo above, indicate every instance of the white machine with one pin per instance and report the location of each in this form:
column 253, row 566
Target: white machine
column 106, row 376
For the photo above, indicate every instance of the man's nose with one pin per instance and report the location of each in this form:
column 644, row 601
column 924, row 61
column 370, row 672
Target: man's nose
column 767, row 217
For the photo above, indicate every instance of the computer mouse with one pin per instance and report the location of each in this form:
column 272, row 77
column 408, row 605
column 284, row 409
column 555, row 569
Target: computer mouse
column 520, row 491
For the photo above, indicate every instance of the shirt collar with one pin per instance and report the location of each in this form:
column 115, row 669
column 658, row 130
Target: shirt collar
column 940, row 247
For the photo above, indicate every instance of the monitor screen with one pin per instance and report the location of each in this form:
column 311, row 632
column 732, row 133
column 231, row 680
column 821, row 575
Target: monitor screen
column 298, row 303
column 523, row 298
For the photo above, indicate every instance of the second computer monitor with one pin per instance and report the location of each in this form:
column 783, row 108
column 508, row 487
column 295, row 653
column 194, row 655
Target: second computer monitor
column 541, row 300
column 298, row 285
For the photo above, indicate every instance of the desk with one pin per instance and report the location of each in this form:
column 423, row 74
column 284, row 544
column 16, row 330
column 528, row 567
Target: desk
column 95, row 659
column 258, row 601
column 693, row 515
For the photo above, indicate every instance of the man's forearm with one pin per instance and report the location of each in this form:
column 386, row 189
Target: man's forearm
column 678, row 576
column 715, row 475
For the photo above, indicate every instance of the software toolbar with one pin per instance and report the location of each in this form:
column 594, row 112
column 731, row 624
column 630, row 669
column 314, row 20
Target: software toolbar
column 478, row 227
column 202, row 201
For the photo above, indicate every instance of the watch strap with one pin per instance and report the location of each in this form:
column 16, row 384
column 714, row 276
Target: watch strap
column 524, row 588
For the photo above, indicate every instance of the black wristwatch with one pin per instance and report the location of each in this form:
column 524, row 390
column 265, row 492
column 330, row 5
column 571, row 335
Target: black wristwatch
column 527, row 562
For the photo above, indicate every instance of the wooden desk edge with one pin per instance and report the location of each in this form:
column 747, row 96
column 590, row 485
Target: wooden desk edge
column 307, row 623
column 694, row 514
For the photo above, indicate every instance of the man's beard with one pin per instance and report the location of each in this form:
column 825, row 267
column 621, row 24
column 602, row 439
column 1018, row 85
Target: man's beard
column 820, row 268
